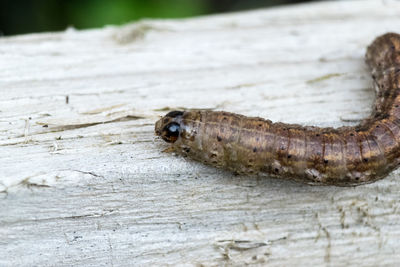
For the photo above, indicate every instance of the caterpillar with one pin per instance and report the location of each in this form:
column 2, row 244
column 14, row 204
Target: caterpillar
column 345, row 156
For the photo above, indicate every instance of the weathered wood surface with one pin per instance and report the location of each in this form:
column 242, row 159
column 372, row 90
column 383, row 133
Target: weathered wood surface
column 95, row 188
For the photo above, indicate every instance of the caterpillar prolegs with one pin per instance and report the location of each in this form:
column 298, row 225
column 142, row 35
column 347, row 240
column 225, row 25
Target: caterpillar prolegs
column 345, row 156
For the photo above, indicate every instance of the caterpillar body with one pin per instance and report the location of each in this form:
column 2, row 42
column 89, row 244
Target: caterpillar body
column 345, row 156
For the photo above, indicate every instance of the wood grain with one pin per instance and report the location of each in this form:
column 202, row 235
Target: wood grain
column 84, row 182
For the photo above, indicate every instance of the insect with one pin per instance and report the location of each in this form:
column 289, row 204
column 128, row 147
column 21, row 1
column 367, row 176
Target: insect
column 345, row 156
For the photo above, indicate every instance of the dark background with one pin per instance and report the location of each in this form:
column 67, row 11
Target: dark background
column 24, row 16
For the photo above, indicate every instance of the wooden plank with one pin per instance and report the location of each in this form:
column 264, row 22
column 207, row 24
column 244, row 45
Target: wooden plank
column 83, row 180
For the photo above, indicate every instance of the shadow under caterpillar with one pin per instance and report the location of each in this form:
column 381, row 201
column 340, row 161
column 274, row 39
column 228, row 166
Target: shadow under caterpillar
column 345, row 156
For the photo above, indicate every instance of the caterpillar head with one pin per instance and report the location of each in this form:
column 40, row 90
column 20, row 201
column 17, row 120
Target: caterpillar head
column 169, row 126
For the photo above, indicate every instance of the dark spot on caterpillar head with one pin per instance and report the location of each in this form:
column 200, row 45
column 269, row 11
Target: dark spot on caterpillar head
column 224, row 119
column 357, row 178
column 289, row 156
column 170, row 132
column 259, row 125
column 276, row 170
column 317, row 135
column 396, row 106
column 351, row 134
column 377, row 126
column 213, row 155
column 186, row 149
column 219, row 138
column 365, row 159
column 326, row 161
column 174, row 113
column 254, row 149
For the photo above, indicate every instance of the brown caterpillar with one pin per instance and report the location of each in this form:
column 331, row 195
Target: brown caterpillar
column 345, row 156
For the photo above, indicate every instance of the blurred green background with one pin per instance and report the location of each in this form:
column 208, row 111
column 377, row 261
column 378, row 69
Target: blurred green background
column 24, row 16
